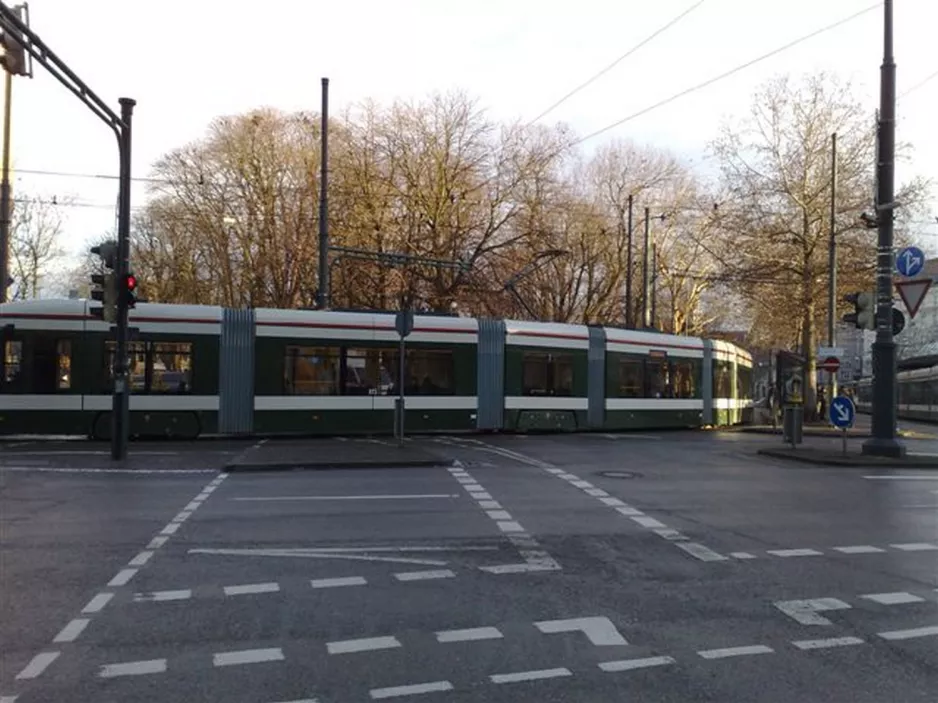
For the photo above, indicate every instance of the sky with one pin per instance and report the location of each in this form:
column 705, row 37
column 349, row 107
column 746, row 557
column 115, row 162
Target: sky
column 186, row 62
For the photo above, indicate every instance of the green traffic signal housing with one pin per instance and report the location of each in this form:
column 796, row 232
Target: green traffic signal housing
column 863, row 316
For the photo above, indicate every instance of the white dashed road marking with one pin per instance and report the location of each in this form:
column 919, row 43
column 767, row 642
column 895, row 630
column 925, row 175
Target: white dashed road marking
column 828, row 643
column 338, row 582
column 598, row 630
column 365, row 644
column 929, row 631
column 250, row 588
column 806, row 611
column 735, row 651
column 424, row 575
column 897, row 598
column 470, row 635
column 248, row 656
column 139, row 668
column 530, row 675
column 630, row 664
column 74, row 628
column 411, row 690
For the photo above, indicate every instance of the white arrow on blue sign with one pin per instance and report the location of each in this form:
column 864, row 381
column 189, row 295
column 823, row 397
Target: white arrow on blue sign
column 910, row 261
column 842, row 412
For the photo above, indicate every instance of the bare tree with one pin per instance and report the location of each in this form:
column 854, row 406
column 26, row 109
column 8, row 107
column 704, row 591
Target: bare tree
column 35, row 232
column 775, row 169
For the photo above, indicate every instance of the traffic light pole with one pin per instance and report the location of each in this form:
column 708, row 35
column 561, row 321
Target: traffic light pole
column 883, row 440
column 40, row 52
column 120, row 406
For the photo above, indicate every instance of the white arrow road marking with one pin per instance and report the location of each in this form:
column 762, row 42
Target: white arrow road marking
column 806, row 611
column 598, row 630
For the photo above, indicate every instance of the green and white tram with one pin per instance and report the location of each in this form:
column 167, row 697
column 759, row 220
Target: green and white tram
column 204, row 370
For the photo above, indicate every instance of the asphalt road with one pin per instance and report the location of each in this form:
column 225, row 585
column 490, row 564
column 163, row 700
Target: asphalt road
column 654, row 567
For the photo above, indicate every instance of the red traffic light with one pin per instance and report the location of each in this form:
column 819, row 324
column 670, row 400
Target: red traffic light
column 131, row 282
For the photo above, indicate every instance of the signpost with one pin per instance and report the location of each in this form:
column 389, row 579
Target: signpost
column 404, row 323
column 913, row 293
column 910, row 261
column 842, row 413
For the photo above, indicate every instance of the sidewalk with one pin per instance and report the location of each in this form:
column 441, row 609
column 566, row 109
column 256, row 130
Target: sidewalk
column 335, row 453
column 821, row 451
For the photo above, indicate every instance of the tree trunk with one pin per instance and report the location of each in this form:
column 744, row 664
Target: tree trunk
column 810, row 359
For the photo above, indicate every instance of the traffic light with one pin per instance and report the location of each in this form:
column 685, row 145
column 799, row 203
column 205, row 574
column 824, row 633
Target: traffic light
column 129, row 290
column 15, row 59
column 863, row 316
column 105, row 292
column 103, row 284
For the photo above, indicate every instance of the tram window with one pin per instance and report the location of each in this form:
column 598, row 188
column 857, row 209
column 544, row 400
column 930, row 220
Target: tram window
column 311, row 371
column 722, row 386
column 656, row 379
column 171, row 364
column 743, row 381
column 65, row 364
column 546, row 374
column 683, row 379
column 630, row 378
column 370, row 372
column 147, row 366
column 429, row 372
column 13, row 360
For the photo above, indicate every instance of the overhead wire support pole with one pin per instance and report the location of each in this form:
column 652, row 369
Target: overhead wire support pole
column 883, row 441
column 832, row 265
column 120, row 125
column 323, row 299
column 628, row 271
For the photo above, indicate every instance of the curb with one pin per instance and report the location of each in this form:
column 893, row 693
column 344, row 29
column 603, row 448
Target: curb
column 852, row 461
column 336, row 465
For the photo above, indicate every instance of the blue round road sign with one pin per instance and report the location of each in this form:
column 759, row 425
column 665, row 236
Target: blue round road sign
column 842, row 412
column 910, row 261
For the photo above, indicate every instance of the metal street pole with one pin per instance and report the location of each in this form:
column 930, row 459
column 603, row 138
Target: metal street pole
column 883, row 440
column 832, row 266
column 654, row 284
column 6, row 202
column 323, row 297
column 628, row 272
column 120, row 403
column 646, row 307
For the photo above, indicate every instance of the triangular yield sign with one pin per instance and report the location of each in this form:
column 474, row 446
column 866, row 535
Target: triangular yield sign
column 913, row 293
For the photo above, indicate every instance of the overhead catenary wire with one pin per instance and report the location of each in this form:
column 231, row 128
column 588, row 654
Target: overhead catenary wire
column 596, row 76
column 725, row 74
column 918, row 85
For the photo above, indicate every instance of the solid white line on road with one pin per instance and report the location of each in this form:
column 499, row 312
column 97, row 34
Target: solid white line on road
column 97, row 603
column 37, row 665
column 902, row 477
column 742, row 555
column 134, row 472
column 700, row 551
column 248, row 656
column 795, row 552
column 735, row 651
column 138, row 668
column 409, row 496
column 806, row 611
column 630, row 664
column 598, row 630
column 250, row 588
column 316, row 554
column 141, row 559
column 536, row 675
column 859, row 549
column 424, row 575
column 122, row 577
column 339, row 582
column 364, row 644
column 828, row 643
column 469, row 635
column 159, row 596
column 895, row 598
column 71, row 631
column 929, row 631
column 916, row 547
column 411, row 690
